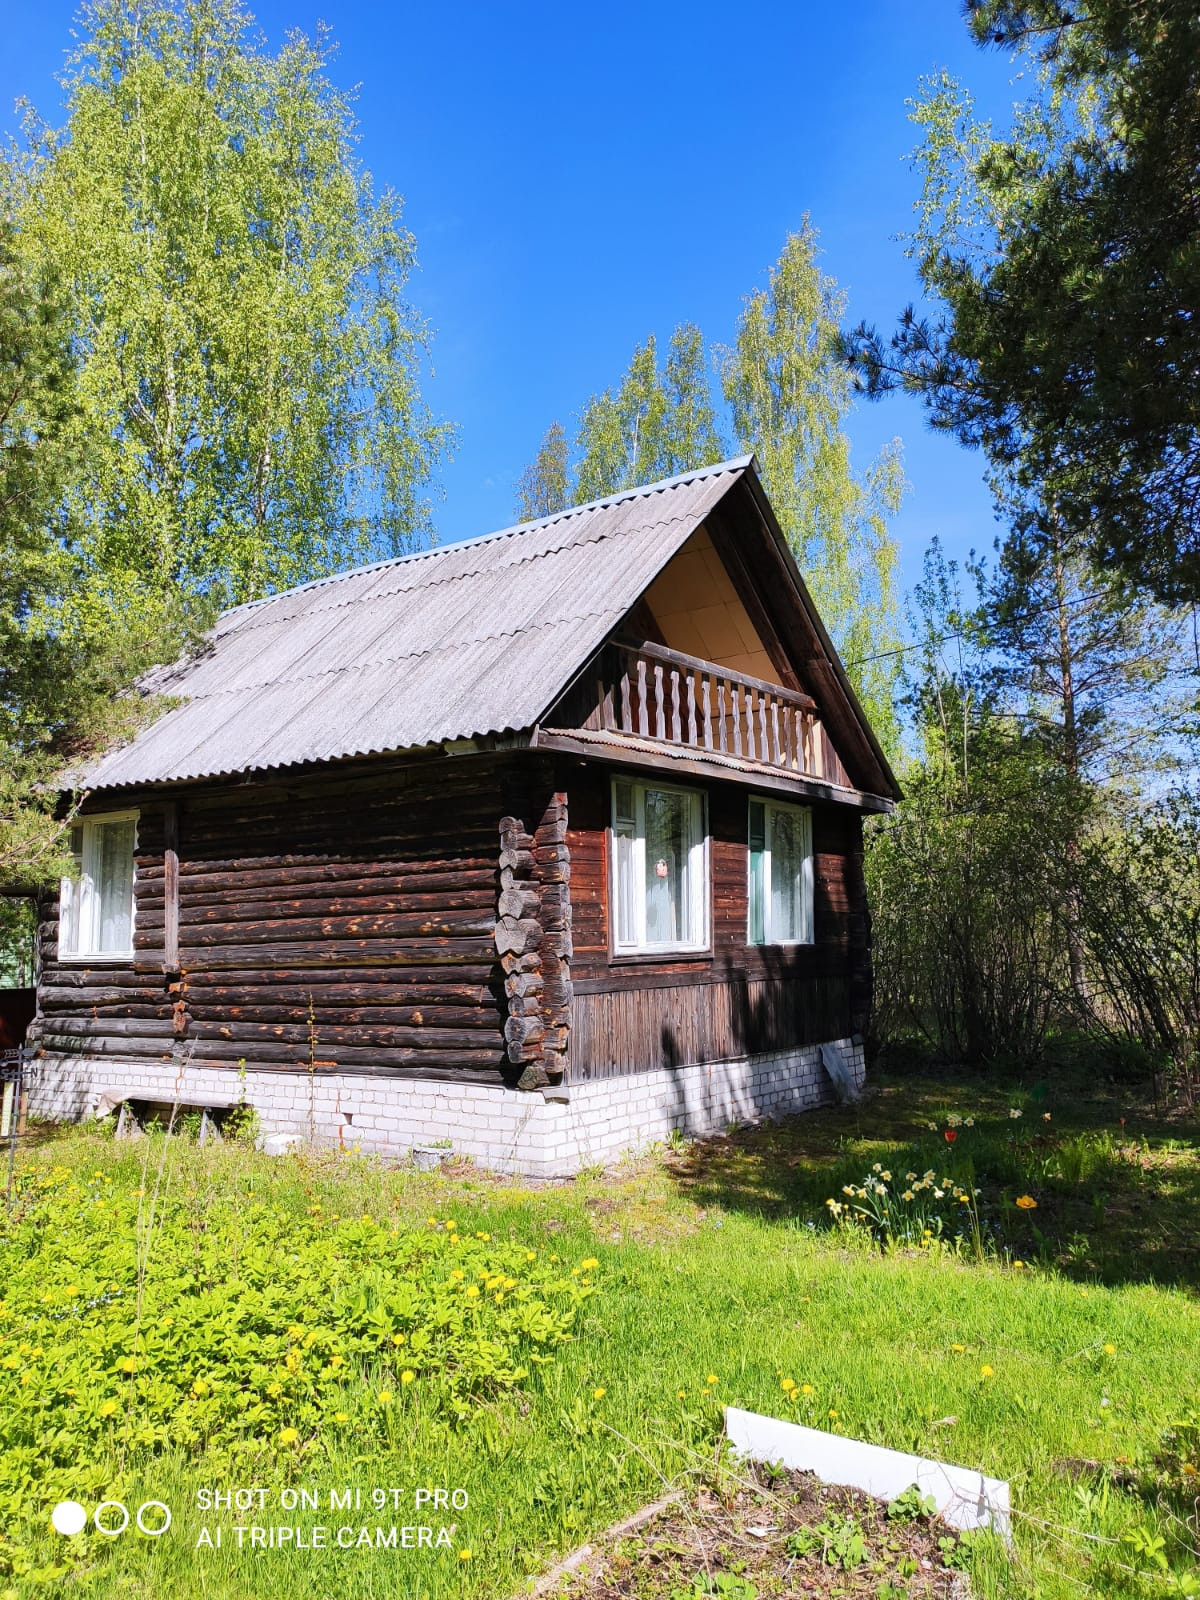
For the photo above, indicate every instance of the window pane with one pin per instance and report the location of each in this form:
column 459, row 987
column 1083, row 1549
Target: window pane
column 625, row 887
column 69, row 898
column 113, row 871
column 758, row 897
column 788, row 840
column 674, row 864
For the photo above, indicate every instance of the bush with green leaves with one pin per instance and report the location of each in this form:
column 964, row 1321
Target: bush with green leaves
column 127, row 1323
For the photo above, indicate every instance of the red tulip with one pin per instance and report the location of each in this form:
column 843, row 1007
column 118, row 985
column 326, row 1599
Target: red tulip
column 950, row 1135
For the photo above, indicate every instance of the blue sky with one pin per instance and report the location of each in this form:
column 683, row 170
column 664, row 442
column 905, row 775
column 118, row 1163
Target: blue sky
column 577, row 178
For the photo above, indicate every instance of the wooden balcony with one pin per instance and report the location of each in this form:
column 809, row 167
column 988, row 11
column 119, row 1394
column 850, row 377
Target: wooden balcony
column 646, row 692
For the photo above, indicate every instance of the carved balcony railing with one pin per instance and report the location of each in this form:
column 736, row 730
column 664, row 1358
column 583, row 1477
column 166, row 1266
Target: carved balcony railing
column 648, row 692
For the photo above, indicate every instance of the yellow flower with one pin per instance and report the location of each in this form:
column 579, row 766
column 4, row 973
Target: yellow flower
column 787, row 1385
column 1018, row 1264
column 397, row 1338
column 72, row 1288
column 1026, row 1202
column 711, row 1379
column 337, row 1361
column 834, row 1415
column 598, row 1394
column 958, row 1348
column 129, row 1364
column 10, row 1362
column 108, row 1408
column 987, row 1372
column 1110, row 1349
column 385, row 1397
column 407, row 1375
column 531, row 1255
column 807, row 1388
column 590, row 1264
column 484, row 1236
column 341, row 1416
column 472, row 1293
column 457, row 1275
column 682, row 1396
column 464, row 1555
column 289, row 1435
column 200, row 1387
column 432, row 1221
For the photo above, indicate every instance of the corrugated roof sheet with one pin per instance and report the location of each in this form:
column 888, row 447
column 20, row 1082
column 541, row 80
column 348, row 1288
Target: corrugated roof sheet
column 465, row 639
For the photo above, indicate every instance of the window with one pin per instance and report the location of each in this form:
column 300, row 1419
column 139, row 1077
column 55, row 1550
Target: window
column 96, row 906
column 781, row 880
column 659, row 869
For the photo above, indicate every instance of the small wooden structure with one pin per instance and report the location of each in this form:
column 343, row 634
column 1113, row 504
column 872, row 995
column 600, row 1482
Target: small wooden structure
column 574, row 802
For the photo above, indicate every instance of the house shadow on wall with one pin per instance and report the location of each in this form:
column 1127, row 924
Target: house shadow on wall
column 791, row 1007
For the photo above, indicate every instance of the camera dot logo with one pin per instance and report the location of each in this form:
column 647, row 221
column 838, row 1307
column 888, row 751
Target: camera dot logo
column 68, row 1518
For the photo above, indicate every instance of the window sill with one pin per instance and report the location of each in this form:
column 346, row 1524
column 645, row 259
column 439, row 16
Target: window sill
column 641, row 958
column 99, row 958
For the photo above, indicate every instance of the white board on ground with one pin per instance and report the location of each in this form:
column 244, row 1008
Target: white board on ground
column 964, row 1498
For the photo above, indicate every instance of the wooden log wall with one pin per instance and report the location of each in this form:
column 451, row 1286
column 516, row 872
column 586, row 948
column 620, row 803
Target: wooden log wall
column 737, row 998
column 533, row 939
column 343, row 920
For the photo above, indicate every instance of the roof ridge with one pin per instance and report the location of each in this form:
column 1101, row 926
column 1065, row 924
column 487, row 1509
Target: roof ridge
column 734, row 463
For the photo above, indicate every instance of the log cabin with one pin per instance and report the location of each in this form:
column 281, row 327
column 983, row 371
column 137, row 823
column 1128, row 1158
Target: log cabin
column 536, row 846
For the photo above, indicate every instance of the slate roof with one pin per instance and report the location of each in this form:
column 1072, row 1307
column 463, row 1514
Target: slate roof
column 464, row 639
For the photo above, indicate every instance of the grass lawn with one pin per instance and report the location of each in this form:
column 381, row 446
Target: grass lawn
column 180, row 1323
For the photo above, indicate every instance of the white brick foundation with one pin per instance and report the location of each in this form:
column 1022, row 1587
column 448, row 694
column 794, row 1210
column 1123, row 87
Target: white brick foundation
column 506, row 1130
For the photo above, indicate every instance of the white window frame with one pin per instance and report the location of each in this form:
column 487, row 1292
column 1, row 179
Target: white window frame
column 700, row 893
column 807, row 908
column 79, row 904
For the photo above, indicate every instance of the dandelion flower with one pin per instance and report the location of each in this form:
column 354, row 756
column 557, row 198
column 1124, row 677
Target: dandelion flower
column 1025, row 1202
column 590, row 1264
column 72, row 1288
column 807, row 1388
column 464, row 1555
column 958, row 1348
column 787, row 1385
column 289, row 1435
column 711, row 1379
column 987, row 1372
column 598, row 1394
column 834, row 1415
column 108, row 1408
column 385, row 1397
column 129, row 1364
column 486, row 1237
column 1110, row 1349
column 472, row 1292
column 407, row 1375
column 341, row 1416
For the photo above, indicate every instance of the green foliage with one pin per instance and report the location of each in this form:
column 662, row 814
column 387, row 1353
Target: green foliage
column 789, row 399
column 731, row 1585
column 244, row 1336
column 247, row 412
column 1063, row 252
column 653, row 425
column 1140, row 909
column 838, row 1540
column 910, row 1208
column 543, row 489
column 912, row 1506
